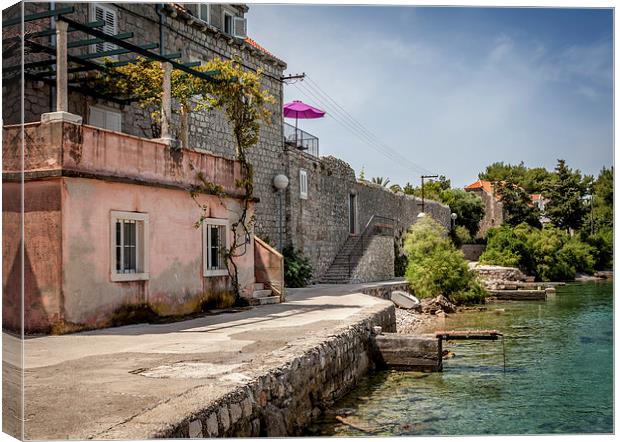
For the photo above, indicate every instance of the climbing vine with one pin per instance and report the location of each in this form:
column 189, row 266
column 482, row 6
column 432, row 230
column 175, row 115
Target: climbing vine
column 235, row 91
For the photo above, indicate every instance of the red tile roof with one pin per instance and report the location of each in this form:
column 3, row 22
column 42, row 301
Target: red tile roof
column 253, row 43
column 487, row 186
column 536, row 196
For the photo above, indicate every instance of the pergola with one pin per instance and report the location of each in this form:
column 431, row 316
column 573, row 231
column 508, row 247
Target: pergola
column 62, row 64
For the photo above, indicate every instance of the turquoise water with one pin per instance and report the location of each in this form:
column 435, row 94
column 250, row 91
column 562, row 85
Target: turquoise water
column 558, row 377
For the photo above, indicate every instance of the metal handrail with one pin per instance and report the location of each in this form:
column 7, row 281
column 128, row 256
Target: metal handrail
column 369, row 231
column 301, row 140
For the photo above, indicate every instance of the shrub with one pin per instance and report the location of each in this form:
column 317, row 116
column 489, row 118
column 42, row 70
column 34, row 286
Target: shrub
column 400, row 261
column 435, row 267
column 460, row 235
column 550, row 254
column 602, row 243
column 297, row 268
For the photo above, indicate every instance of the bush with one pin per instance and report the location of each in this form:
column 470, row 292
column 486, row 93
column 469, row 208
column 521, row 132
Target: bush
column 435, row 267
column 602, row 243
column 550, row 254
column 460, row 235
column 400, row 261
column 297, row 268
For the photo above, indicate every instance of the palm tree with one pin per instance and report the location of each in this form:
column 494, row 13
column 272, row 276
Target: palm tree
column 380, row 181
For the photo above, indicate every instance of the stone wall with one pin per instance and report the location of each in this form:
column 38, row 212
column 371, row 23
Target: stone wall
column 472, row 252
column 283, row 401
column 377, row 263
column 319, row 224
column 493, row 212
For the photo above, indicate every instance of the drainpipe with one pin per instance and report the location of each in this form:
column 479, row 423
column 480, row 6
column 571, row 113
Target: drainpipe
column 53, row 44
column 160, row 12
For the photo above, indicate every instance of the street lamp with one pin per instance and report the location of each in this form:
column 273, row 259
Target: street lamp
column 280, row 182
column 453, row 217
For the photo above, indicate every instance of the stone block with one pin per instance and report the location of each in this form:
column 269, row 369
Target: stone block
column 224, row 417
column 212, row 425
column 195, row 429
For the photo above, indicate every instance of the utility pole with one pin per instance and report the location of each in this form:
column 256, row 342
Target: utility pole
column 423, row 177
column 293, row 77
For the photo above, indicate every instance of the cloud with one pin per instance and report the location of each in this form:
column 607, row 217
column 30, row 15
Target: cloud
column 451, row 101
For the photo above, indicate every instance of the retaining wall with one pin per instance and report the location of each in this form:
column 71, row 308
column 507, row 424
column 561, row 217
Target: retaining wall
column 284, row 400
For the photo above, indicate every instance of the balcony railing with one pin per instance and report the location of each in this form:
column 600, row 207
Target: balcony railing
column 301, row 140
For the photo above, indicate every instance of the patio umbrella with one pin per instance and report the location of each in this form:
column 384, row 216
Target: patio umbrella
column 298, row 109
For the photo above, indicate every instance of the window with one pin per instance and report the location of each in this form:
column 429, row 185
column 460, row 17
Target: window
column 240, row 24
column 228, row 23
column 214, row 243
column 129, row 246
column 99, row 12
column 205, row 12
column 104, row 118
column 303, row 184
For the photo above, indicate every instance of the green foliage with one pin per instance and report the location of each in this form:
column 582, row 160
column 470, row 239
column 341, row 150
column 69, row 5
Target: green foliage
column 603, row 199
column 468, row 207
column 602, row 242
column 532, row 180
column 400, row 260
column 550, row 254
column 460, row 235
column 518, row 205
column 297, row 268
column 565, row 191
column 380, row 181
column 435, row 267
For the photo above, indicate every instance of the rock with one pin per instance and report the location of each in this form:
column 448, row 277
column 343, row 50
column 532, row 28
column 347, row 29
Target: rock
column 274, row 422
column 439, row 303
column 376, row 330
column 448, row 354
column 195, row 429
column 212, row 429
column 405, row 300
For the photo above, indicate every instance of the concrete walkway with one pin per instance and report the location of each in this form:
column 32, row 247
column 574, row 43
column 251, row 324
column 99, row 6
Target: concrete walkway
column 97, row 384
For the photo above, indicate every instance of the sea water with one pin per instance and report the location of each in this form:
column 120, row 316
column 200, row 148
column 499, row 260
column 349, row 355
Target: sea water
column 558, row 376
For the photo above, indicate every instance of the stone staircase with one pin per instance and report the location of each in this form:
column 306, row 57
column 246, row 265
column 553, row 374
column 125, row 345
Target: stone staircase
column 338, row 272
column 263, row 296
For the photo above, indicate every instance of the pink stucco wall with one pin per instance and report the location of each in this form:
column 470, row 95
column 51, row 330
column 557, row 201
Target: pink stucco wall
column 75, row 176
column 176, row 283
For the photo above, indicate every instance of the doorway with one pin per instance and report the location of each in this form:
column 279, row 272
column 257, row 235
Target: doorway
column 352, row 214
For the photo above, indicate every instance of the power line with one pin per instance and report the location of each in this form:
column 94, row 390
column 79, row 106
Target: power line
column 341, row 116
column 370, row 134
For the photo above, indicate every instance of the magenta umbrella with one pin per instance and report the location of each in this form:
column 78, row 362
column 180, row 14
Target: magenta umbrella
column 298, row 109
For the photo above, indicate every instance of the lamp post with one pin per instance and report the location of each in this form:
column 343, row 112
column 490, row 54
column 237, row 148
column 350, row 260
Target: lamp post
column 453, row 217
column 280, row 182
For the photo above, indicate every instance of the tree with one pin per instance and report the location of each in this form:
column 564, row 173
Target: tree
column 603, row 199
column 468, row 207
column 435, row 267
column 518, row 205
column 565, row 192
column 530, row 179
column 237, row 92
column 383, row 182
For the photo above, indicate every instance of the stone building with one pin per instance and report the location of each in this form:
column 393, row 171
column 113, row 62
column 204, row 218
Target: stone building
column 199, row 32
column 107, row 222
column 328, row 214
column 494, row 212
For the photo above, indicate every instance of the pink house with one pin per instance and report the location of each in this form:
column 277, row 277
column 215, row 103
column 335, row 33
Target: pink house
column 109, row 222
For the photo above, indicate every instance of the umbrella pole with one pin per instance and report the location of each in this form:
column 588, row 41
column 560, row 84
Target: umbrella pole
column 296, row 142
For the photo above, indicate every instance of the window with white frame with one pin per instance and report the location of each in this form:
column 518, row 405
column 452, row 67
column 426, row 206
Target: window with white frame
column 303, row 184
column 129, row 246
column 227, row 23
column 204, row 10
column 215, row 242
column 109, row 16
column 105, row 118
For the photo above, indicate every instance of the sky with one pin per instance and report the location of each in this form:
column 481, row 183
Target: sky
column 449, row 90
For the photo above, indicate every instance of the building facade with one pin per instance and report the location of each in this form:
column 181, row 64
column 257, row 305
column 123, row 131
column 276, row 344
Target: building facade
column 494, row 212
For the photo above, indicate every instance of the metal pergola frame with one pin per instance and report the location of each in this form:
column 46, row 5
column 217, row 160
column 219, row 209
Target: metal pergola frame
column 87, row 62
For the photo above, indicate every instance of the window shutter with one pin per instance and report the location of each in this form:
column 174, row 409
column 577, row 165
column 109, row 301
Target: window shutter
column 303, row 184
column 113, row 121
column 240, row 27
column 97, row 117
column 109, row 17
column 204, row 12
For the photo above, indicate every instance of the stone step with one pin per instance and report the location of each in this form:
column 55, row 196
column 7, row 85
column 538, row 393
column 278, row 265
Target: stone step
column 268, row 300
column 259, row 286
column 261, row 294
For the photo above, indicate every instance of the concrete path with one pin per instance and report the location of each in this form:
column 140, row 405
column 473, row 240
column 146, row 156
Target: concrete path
column 91, row 384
